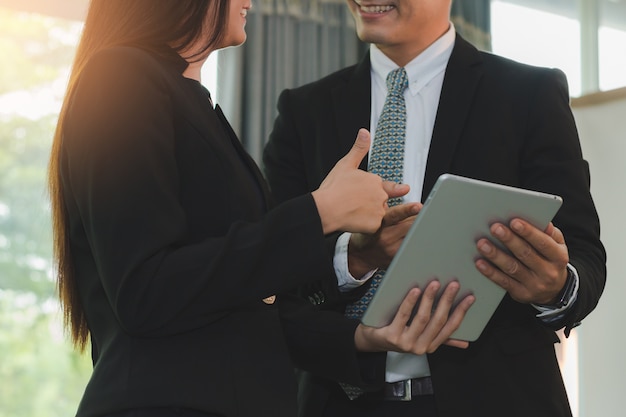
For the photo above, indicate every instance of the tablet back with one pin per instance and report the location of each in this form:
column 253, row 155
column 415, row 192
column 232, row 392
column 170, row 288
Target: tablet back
column 441, row 244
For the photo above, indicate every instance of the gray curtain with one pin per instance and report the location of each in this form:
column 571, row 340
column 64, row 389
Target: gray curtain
column 472, row 19
column 293, row 42
column 290, row 43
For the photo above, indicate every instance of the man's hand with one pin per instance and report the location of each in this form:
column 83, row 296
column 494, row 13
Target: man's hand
column 367, row 252
column 428, row 329
column 537, row 269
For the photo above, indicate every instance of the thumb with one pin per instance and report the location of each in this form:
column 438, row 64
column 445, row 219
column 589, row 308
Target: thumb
column 394, row 189
column 400, row 213
column 358, row 151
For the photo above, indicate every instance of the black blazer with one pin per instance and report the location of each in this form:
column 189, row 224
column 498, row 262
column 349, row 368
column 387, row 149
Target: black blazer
column 175, row 246
column 499, row 121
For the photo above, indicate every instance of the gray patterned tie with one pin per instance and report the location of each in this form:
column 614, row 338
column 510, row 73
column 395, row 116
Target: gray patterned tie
column 387, row 160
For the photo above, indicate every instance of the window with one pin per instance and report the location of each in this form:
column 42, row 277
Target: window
column 40, row 374
column 584, row 38
column 612, row 44
column 209, row 75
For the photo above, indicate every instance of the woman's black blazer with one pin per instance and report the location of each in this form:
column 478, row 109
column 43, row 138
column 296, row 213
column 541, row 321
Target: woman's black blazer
column 174, row 245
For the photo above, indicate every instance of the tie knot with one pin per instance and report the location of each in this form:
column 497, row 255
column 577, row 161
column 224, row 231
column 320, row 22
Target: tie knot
column 397, row 81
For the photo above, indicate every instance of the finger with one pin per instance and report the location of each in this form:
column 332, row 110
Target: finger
column 514, row 264
column 358, row 151
column 447, row 298
column 549, row 228
column 393, row 189
column 422, row 317
column 405, row 311
column 532, row 250
column 515, row 288
column 557, row 235
column 461, row 344
column 444, row 306
column 427, row 324
column 549, row 243
column 452, row 324
column 401, row 212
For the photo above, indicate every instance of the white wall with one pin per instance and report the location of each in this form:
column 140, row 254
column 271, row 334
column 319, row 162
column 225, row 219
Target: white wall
column 602, row 340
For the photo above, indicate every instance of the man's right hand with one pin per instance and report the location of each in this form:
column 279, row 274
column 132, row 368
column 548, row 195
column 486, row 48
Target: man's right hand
column 367, row 252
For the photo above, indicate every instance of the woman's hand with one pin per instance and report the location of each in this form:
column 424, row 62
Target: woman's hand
column 426, row 331
column 352, row 200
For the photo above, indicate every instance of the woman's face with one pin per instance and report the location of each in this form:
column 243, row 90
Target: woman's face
column 235, row 26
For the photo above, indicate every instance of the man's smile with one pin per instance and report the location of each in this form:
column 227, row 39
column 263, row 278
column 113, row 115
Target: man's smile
column 374, row 8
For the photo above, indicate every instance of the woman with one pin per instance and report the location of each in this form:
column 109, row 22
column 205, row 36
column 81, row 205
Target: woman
column 169, row 253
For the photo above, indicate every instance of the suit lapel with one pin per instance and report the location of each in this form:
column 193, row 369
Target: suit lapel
column 247, row 159
column 351, row 106
column 206, row 119
column 459, row 86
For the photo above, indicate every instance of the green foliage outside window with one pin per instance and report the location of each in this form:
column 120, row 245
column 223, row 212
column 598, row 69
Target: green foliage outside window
column 40, row 375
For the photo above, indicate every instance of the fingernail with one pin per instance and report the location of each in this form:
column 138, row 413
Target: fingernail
column 485, row 247
column 499, row 231
column 517, row 226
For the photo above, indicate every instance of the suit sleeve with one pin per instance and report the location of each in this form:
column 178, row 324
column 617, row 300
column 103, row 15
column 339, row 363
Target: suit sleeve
column 321, row 341
column 553, row 162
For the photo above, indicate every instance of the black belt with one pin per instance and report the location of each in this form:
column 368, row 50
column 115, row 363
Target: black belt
column 403, row 390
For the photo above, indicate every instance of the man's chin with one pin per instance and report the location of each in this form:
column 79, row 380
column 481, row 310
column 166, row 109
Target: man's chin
column 370, row 35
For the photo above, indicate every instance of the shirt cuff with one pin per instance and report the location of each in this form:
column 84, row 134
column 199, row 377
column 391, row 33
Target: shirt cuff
column 550, row 314
column 345, row 280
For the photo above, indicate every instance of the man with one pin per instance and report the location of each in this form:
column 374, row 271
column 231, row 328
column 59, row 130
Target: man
column 472, row 114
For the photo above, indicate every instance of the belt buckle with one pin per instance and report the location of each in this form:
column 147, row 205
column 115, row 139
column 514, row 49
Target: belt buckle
column 407, row 391
column 400, row 391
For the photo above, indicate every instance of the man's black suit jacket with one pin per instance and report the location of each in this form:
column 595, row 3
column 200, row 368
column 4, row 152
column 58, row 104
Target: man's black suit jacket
column 498, row 121
column 175, row 246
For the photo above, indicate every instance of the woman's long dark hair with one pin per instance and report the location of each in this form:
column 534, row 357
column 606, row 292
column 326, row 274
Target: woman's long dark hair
column 149, row 24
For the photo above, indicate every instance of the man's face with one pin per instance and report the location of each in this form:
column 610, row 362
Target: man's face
column 400, row 27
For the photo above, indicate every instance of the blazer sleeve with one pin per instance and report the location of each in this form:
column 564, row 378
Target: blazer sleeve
column 321, row 341
column 553, row 162
column 292, row 172
column 320, row 337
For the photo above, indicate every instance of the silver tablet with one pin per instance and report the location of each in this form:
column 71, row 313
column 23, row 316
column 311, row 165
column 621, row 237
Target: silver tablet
column 441, row 244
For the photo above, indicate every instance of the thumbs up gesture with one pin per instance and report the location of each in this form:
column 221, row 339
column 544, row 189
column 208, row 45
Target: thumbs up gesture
column 353, row 200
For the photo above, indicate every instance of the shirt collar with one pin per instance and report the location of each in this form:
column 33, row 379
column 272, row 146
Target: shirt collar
column 423, row 68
